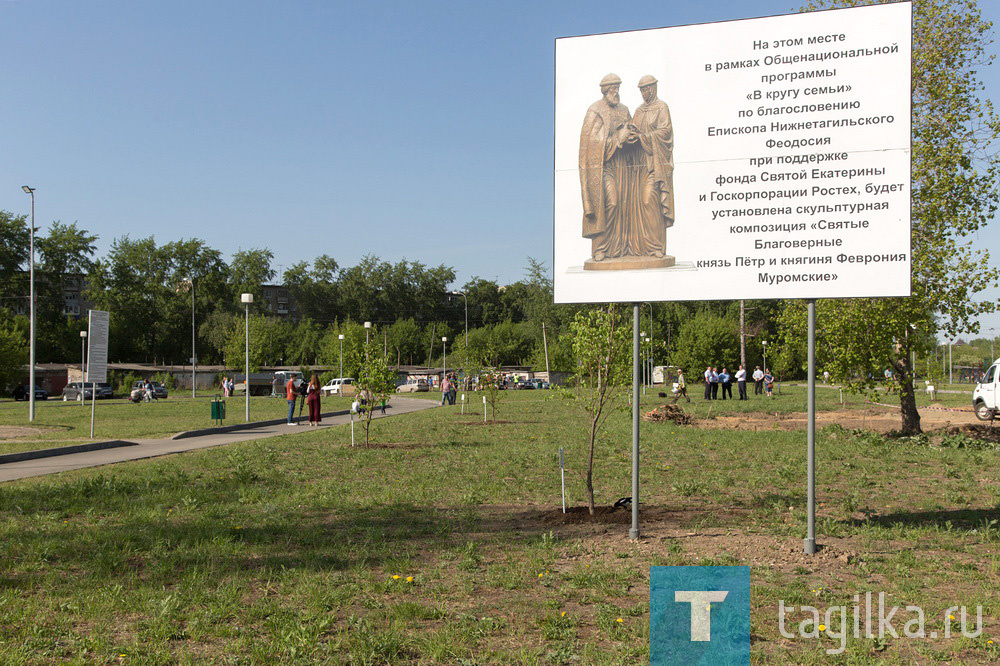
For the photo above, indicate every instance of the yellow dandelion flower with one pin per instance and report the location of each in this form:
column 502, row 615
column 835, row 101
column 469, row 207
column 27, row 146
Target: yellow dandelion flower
column 951, row 617
column 409, row 579
column 540, row 575
column 619, row 620
column 822, row 627
column 990, row 642
column 395, row 577
column 564, row 615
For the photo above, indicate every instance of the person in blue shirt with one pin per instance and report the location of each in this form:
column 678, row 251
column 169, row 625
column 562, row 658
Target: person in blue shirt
column 727, row 384
column 714, row 379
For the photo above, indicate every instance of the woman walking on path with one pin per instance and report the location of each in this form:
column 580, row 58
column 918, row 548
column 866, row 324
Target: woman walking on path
column 312, row 400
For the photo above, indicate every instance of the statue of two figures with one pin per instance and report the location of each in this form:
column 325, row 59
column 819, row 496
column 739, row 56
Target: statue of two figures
column 626, row 179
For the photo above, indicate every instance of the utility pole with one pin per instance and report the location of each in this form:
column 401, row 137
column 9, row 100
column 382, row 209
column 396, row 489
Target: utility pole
column 743, row 334
column 545, row 343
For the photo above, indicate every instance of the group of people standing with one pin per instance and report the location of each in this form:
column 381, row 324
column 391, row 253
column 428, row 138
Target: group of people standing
column 310, row 392
column 448, row 390
column 763, row 381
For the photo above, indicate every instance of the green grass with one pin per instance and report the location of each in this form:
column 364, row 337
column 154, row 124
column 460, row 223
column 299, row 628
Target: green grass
column 286, row 550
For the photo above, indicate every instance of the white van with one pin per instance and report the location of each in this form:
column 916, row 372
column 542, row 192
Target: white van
column 338, row 386
column 984, row 397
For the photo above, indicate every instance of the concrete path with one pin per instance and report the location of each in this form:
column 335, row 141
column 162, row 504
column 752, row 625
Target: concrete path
column 151, row 448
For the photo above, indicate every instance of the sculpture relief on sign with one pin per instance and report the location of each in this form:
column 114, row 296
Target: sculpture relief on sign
column 626, row 179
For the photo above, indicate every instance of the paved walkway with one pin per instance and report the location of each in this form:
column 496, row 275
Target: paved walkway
column 151, row 448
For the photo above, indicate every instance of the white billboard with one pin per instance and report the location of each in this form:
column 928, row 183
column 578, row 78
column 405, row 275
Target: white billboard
column 97, row 347
column 760, row 158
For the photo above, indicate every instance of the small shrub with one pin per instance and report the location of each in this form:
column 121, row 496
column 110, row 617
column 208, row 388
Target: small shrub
column 960, row 440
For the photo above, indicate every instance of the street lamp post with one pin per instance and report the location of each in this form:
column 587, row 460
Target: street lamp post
column 466, row 324
column 649, row 357
column 247, row 299
column 444, row 344
column 83, row 365
column 642, row 354
column 31, row 296
column 764, row 342
column 194, row 359
column 652, row 364
column 950, row 366
column 368, row 327
column 341, row 338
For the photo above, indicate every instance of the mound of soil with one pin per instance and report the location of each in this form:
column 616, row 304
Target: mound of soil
column 985, row 432
column 665, row 413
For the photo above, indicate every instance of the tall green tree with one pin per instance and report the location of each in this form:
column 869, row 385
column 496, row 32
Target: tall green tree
column 707, row 339
column 249, row 270
column 14, row 241
column 147, row 290
column 64, row 253
column 131, row 284
column 13, row 354
column 315, row 288
column 269, row 341
column 954, row 194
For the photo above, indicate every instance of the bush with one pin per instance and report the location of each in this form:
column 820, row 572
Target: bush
column 122, row 381
column 167, row 379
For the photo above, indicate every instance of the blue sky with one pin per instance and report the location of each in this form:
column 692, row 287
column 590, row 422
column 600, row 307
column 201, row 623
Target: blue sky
column 417, row 130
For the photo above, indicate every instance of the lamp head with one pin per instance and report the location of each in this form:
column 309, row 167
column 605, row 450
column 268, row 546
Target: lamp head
column 246, row 298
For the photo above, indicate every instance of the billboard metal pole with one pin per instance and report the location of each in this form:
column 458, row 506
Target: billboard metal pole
column 633, row 533
column 809, row 543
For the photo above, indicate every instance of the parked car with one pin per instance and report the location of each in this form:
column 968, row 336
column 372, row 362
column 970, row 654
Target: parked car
column 76, row 391
column 338, row 386
column 159, row 390
column 524, row 386
column 21, row 393
column 413, row 385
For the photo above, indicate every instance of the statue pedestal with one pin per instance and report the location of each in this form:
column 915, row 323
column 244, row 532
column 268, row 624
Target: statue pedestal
column 628, row 263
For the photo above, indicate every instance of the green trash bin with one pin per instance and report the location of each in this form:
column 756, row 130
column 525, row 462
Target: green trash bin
column 218, row 409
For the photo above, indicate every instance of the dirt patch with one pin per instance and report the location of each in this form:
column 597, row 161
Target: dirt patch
column 671, row 413
column 605, row 532
column 879, row 419
column 15, row 432
column 485, row 423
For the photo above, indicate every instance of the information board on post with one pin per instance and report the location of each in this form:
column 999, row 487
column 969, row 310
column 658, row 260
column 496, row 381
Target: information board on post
column 97, row 341
column 750, row 159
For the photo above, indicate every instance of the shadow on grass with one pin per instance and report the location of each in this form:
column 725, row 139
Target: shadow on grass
column 158, row 551
column 963, row 519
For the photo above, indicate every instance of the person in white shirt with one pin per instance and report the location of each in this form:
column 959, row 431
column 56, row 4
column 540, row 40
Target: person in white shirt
column 758, row 381
column 708, row 383
column 741, row 382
